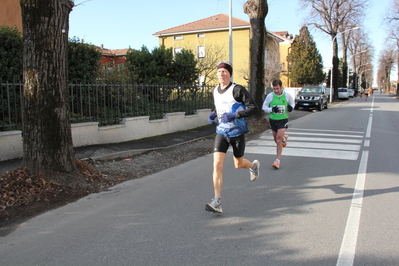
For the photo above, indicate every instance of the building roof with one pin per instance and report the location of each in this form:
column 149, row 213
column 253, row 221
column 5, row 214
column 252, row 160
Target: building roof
column 219, row 22
column 214, row 23
column 282, row 36
column 115, row 52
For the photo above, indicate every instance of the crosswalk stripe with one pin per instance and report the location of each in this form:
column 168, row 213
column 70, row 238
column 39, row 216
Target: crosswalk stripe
column 326, row 130
column 328, row 135
column 297, row 144
column 313, row 139
column 303, row 143
column 315, row 153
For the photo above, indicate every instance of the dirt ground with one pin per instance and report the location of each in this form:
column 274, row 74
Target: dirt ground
column 24, row 196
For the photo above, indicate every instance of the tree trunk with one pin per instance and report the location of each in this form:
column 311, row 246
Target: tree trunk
column 335, row 63
column 257, row 11
column 345, row 40
column 345, row 74
column 47, row 138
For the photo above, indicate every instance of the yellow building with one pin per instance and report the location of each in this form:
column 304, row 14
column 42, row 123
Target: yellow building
column 209, row 40
column 285, row 41
column 10, row 14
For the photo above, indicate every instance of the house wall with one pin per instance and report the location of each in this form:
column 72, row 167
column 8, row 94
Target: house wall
column 218, row 39
column 284, row 75
column 10, row 14
column 112, row 61
column 84, row 134
column 241, row 38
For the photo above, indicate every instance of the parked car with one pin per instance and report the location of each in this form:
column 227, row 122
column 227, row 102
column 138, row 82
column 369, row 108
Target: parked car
column 343, row 93
column 312, row 96
column 351, row 93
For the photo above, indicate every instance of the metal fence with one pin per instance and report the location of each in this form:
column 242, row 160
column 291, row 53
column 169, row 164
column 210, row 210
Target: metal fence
column 108, row 104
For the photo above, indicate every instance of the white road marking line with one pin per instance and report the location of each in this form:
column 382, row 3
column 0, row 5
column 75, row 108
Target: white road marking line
column 368, row 132
column 348, row 246
column 347, row 251
column 367, row 143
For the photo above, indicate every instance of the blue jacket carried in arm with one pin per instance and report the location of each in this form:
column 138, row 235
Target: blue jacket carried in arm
column 237, row 100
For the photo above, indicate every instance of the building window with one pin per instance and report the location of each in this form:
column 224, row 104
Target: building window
column 178, row 37
column 177, row 50
column 201, row 35
column 201, row 52
column 201, row 80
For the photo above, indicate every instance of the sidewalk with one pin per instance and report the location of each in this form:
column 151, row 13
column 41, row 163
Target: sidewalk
column 126, row 149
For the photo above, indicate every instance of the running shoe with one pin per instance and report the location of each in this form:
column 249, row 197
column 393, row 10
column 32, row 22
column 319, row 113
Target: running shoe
column 215, row 206
column 276, row 164
column 254, row 174
column 284, row 142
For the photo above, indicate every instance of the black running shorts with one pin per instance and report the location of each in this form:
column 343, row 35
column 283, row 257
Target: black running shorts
column 222, row 144
column 278, row 124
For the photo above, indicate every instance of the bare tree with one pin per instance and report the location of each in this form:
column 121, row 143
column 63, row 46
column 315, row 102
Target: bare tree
column 386, row 63
column 362, row 53
column 257, row 11
column 272, row 67
column 392, row 21
column 346, row 40
column 47, row 137
column 207, row 66
column 331, row 17
column 273, row 64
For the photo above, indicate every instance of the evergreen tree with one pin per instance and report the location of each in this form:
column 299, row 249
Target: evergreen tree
column 10, row 54
column 138, row 64
column 184, row 68
column 83, row 61
column 305, row 60
column 159, row 66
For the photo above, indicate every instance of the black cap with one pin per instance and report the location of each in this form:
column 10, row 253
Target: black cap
column 227, row 66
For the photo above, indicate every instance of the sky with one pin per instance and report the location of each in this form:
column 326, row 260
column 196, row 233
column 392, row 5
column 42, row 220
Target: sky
column 122, row 24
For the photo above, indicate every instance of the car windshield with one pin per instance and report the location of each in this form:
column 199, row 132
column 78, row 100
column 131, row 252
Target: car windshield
column 342, row 90
column 311, row 90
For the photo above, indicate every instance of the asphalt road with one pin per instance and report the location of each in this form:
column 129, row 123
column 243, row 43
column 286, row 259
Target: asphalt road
column 332, row 202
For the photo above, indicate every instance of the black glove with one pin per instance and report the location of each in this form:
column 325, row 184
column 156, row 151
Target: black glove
column 290, row 108
column 275, row 109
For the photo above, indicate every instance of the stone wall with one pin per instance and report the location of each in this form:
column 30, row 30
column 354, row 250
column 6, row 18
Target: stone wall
column 84, row 134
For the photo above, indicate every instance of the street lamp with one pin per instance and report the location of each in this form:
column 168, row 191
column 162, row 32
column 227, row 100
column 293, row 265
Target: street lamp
column 332, row 67
column 360, row 52
column 231, row 34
